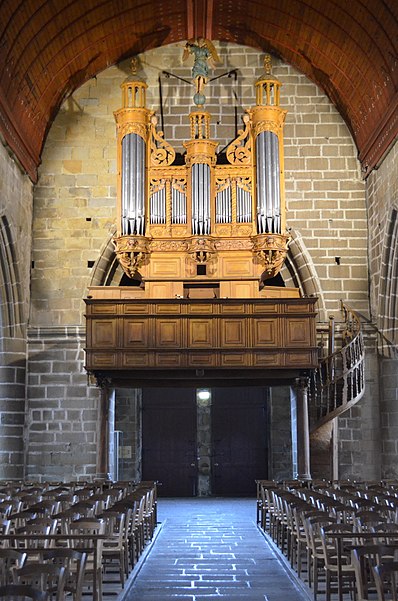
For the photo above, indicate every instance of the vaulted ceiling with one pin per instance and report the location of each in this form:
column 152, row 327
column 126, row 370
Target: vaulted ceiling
column 48, row 48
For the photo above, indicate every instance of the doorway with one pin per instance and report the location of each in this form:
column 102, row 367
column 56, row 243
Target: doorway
column 176, row 428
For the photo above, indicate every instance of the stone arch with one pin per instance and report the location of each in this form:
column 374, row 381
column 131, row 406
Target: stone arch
column 388, row 301
column 10, row 305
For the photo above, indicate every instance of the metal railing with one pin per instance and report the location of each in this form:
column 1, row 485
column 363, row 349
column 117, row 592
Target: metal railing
column 338, row 383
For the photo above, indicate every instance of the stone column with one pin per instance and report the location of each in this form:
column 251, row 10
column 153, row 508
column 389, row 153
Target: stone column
column 303, row 431
column 103, row 433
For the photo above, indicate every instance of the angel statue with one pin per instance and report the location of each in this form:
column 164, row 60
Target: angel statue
column 204, row 54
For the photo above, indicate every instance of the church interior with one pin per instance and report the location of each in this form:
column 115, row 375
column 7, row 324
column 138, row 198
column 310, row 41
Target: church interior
column 199, row 246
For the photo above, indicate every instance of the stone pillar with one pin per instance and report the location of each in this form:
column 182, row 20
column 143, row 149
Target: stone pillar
column 103, row 433
column 303, row 431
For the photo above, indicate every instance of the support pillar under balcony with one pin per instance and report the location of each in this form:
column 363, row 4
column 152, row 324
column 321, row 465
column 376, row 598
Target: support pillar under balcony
column 303, row 431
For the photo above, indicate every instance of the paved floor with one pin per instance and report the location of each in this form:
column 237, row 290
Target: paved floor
column 211, row 549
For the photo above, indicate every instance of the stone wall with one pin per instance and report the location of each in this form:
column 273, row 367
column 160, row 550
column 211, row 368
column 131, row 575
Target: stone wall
column 62, row 417
column 75, row 212
column 368, row 433
column 16, row 196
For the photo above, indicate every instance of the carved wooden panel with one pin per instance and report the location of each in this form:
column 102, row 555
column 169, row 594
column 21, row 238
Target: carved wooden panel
column 99, row 359
column 267, row 359
column 202, row 359
column 136, row 359
column 169, row 359
column 104, row 333
column 196, row 308
column 232, row 308
column 297, row 333
column 135, row 308
column 200, row 333
column 136, row 332
column 233, row 333
column 104, row 309
column 168, row 333
column 265, row 332
column 234, row 359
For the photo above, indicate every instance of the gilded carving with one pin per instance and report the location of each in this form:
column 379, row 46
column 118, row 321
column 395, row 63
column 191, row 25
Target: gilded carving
column 180, row 184
column 222, row 183
column 156, row 184
column 245, row 183
column 234, row 244
column 161, row 152
column 239, row 152
column 169, row 246
column 132, row 252
column 134, row 128
column 267, row 125
column 201, row 250
column 271, row 251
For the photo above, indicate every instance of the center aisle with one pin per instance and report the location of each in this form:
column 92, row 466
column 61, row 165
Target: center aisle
column 211, row 548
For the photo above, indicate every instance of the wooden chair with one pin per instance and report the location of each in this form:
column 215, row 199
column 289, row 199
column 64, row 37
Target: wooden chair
column 364, row 559
column 74, row 563
column 90, row 527
column 314, row 524
column 386, row 579
column 20, row 592
column 10, row 558
column 113, row 548
column 43, row 576
column 337, row 560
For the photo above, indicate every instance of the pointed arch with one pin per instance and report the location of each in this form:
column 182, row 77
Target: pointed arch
column 10, row 305
column 388, row 299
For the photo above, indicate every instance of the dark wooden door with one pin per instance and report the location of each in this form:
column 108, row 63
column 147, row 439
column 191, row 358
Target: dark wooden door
column 169, row 451
column 239, row 440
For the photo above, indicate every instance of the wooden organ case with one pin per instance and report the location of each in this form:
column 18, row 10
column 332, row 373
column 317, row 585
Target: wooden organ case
column 200, row 240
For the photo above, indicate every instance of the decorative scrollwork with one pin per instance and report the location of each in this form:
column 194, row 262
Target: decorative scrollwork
column 201, row 250
column 239, row 152
column 162, row 153
column 267, row 125
column 131, row 252
column 222, row 183
column 180, row 184
column 156, row 184
column 245, row 183
column 271, row 250
column 134, row 128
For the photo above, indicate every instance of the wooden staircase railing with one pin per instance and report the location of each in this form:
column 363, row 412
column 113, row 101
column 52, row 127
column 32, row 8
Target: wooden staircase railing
column 338, row 383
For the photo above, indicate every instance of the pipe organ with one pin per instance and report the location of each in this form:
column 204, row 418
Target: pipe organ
column 199, row 240
column 208, row 228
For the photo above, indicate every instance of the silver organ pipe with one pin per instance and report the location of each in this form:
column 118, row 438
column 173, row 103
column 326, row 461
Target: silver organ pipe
column 133, row 185
column 158, row 206
column 200, row 199
column 243, row 205
column 224, row 206
column 268, row 184
column 179, row 206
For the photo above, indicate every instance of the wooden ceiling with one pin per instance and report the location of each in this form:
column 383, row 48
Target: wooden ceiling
column 48, row 48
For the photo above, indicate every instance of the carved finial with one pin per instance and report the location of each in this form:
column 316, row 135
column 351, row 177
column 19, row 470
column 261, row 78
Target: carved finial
column 134, row 65
column 267, row 64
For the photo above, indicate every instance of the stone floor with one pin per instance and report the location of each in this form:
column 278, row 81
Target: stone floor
column 209, row 548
